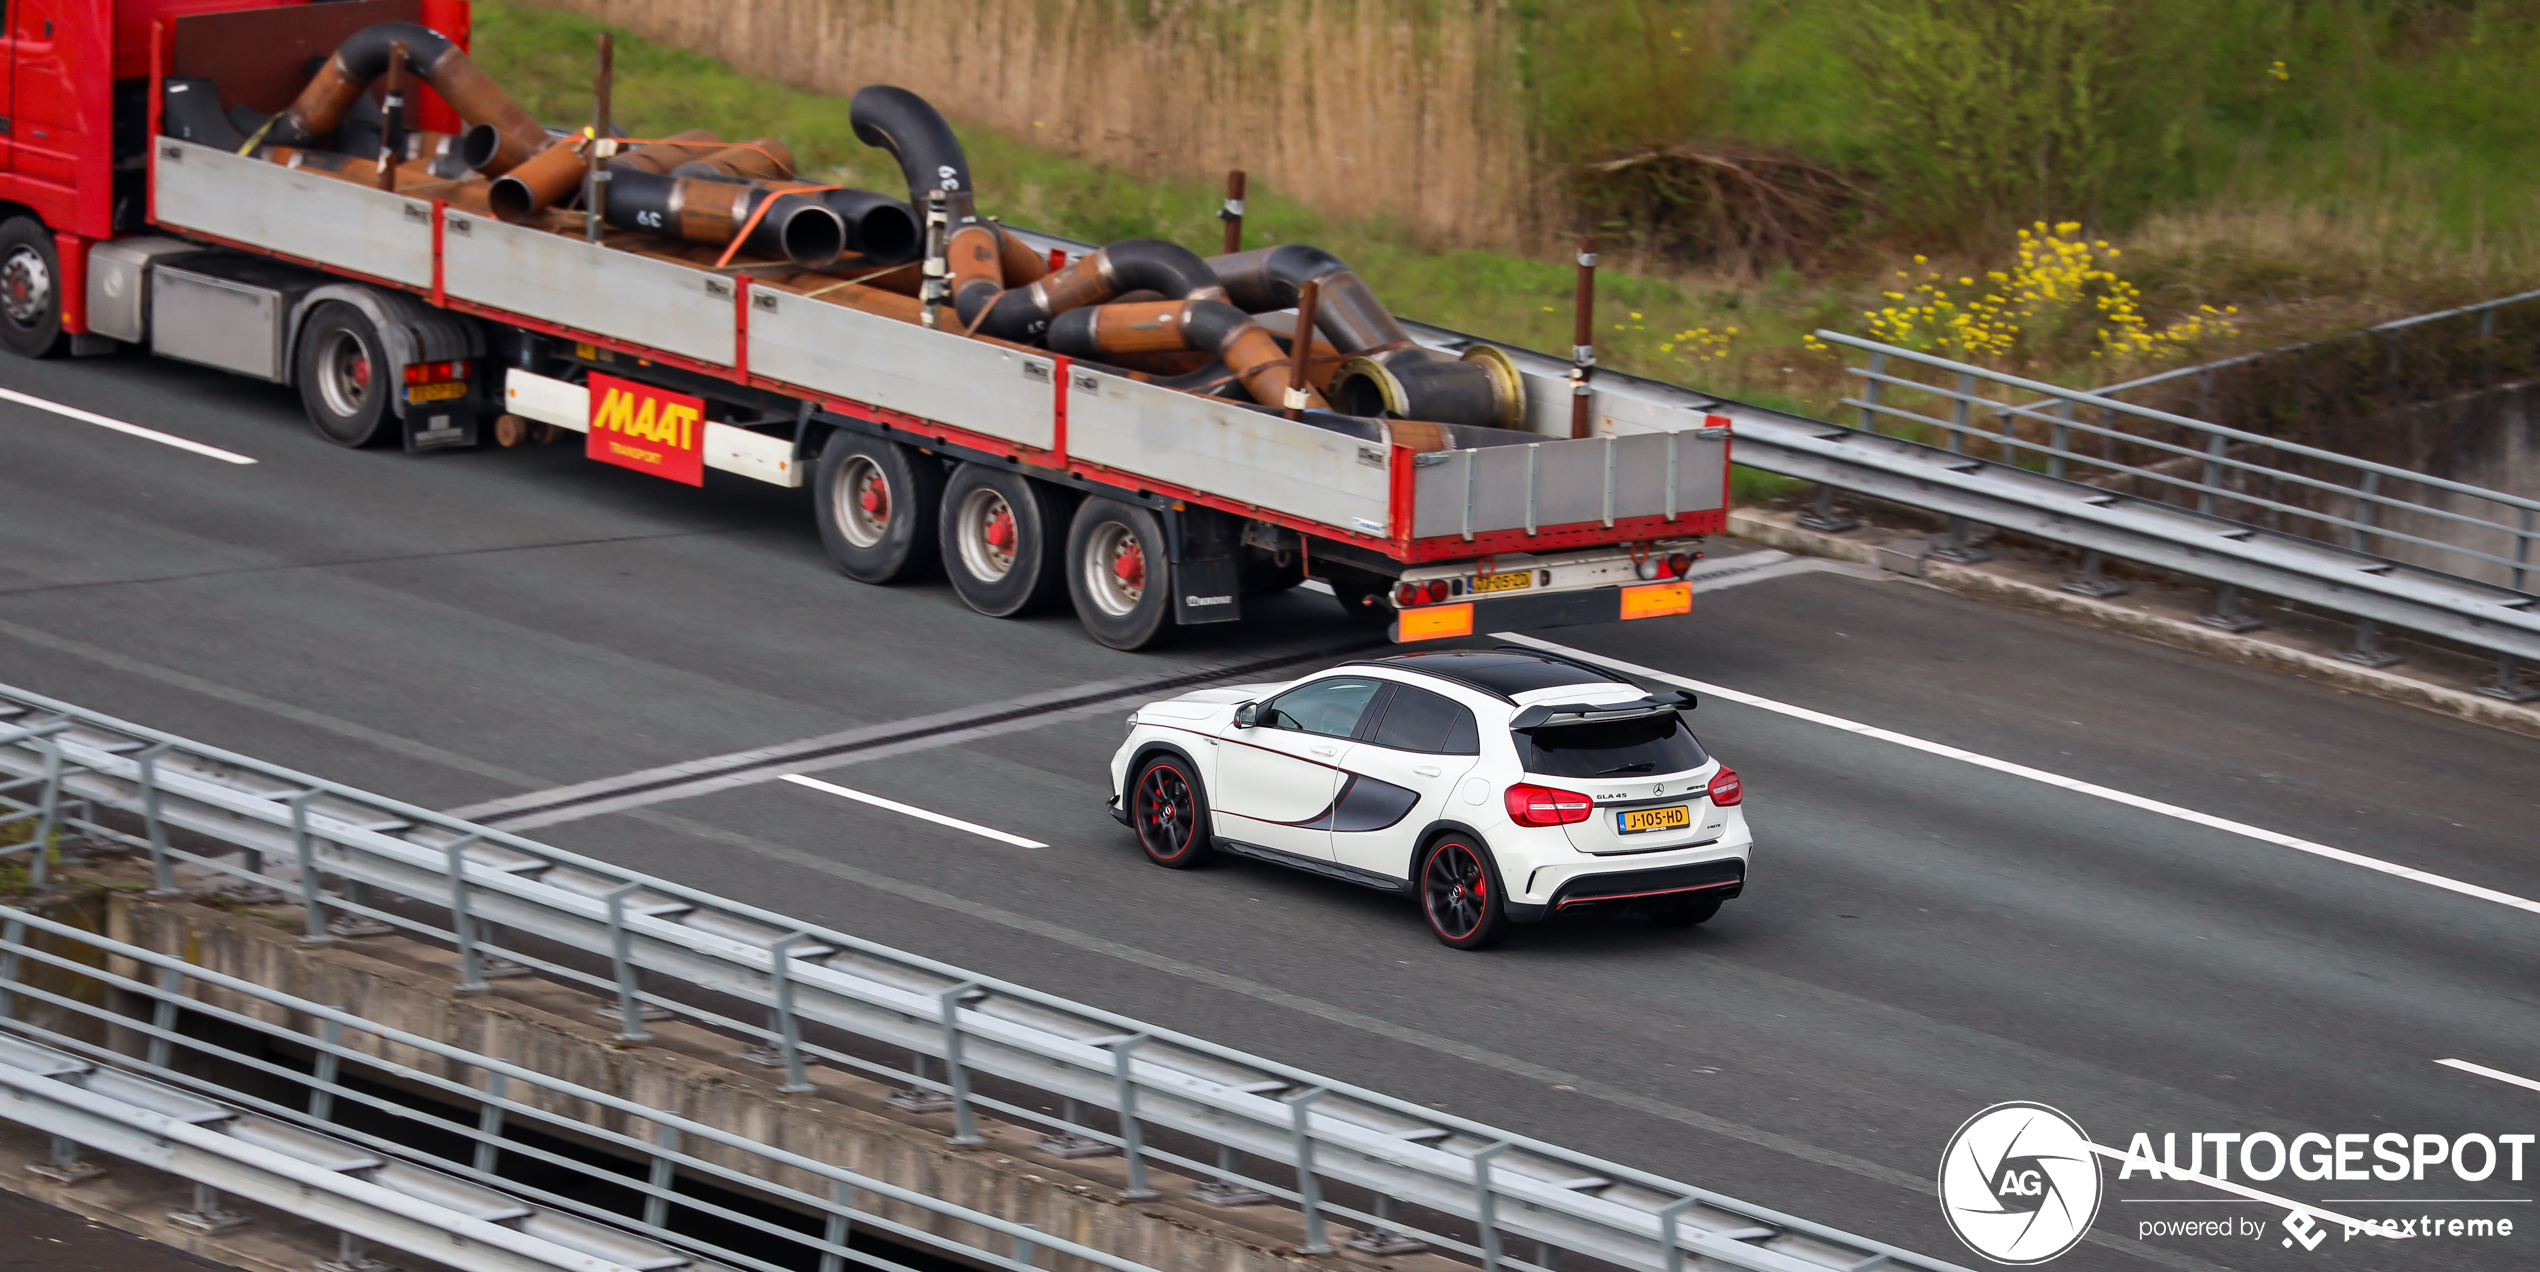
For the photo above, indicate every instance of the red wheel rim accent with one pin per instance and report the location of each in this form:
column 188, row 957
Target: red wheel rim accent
column 1131, row 565
column 875, row 499
column 1455, row 890
column 1000, row 531
column 1163, row 812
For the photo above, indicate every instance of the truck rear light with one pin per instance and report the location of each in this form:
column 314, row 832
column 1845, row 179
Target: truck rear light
column 1725, row 788
column 1407, row 595
column 1680, row 565
column 1530, row 805
column 435, row 372
column 1436, row 591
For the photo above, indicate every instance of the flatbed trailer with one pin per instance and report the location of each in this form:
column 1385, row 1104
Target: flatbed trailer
column 673, row 363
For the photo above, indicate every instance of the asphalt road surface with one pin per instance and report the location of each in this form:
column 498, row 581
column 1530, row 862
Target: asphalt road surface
column 1924, row 935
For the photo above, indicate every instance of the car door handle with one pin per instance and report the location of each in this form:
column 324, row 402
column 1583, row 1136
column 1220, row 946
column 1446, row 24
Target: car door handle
column 1428, row 770
column 1327, row 750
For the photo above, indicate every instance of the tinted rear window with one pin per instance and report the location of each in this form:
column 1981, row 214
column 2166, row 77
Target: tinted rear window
column 1418, row 720
column 1643, row 747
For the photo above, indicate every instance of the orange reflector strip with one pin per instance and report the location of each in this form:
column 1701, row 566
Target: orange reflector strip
column 1656, row 599
column 1436, row 621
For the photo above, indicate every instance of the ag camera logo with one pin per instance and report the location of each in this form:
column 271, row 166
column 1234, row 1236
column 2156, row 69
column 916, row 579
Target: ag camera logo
column 2019, row 1183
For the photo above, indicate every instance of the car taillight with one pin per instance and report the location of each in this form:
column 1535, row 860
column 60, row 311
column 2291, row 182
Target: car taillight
column 1725, row 788
column 1530, row 805
column 435, row 372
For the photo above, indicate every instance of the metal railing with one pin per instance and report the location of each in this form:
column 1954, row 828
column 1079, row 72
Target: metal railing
column 2226, row 472
column 2390, row 332
column 1261, row 1129
column 473, row 1194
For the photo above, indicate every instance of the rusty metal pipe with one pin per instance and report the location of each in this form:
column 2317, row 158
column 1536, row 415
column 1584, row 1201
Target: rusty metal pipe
column 1023, row 313
column 1249, row 351
column 666, row 154
column 1301, row 349
column 799, row 228
column 763, row 159
column 900, row 122
column 550, row 177
column 363, row 57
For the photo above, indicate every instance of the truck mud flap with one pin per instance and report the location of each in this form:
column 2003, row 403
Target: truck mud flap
column 441, row 424
column 1208, row 591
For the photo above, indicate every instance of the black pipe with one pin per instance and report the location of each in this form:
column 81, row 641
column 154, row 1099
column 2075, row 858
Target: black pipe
column 1170, row 270
column 1346, row 310
column 800, row 229
column 432, row 58
column 882, row 229
column 899, row 121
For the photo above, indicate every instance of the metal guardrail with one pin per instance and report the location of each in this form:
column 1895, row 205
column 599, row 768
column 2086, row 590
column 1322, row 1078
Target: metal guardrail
column 2486, row 311
column 1457, row 1186
column 461, row 1209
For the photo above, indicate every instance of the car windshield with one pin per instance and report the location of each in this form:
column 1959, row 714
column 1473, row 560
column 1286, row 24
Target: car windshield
column 1644, row 746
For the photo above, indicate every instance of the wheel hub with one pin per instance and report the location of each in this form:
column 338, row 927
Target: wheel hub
column 26, row 287
column 1000, row 531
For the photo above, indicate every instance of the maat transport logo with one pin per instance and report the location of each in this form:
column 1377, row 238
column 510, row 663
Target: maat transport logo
column 2019, row 1183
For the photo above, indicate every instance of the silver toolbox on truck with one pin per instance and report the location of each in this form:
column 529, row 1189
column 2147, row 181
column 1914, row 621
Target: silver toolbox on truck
column 119, row 283
column 231, row 312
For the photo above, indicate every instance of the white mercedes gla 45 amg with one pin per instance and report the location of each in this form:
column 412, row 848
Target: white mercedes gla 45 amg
column 1490, row 786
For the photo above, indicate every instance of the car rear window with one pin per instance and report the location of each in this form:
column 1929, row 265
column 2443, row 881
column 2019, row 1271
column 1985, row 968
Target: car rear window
column 1640, row 747
column 1418, row 720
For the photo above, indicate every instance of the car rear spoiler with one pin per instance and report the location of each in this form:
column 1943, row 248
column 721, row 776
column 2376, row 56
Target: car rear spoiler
column 1553, row 715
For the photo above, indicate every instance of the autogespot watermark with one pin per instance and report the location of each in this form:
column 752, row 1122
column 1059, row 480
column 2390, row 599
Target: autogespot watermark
column 2021, row 1184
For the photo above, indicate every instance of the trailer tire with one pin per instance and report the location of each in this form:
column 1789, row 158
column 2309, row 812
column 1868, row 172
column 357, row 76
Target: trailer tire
column 1003, row 540
column 1120, row 574
column 877, row 503
column 345, row 376
column 30, row 289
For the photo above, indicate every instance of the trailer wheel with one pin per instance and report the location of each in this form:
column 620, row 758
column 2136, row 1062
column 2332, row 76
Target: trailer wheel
column 1120, row 574
column 30, row 289
column 1001, row 539
column 877, row 504
column 345, row 376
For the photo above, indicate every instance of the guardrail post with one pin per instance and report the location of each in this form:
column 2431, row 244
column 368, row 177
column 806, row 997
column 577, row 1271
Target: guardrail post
column 1309, row 1192
column 207, row 1214
column 2368, row 651
column 463, row 920
column 322, row 1075
column 489, row 1123
column 1667, row 1222
column 1957, row 547
column 1132, row 1141
column 2226, row 614
column 1381, row 1240
column 2364, row 504
column 162, row 870
column 1958, row 416
column 2210, row 486
column 1485, row 1207
column 313, row 914
column 838, row 1226
column 352, row 1254
column 965, row 1123
column 663, row 1177
column 1823, row 518
column 2508, row 684
column 163, row 1017
column 789, row 1031
column 1227, row 1189
column 1023, row 1246
column 2092, row 581
column 64, row 1166
column 1065, row 1142
column 2522, row 551
column 48, row 806
column 1870, row 386
column 2060, row 441
column 630, row 1010
column 12, row 934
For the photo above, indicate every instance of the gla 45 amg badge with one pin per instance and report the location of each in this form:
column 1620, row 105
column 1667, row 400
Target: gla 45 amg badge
column 2019, row 1183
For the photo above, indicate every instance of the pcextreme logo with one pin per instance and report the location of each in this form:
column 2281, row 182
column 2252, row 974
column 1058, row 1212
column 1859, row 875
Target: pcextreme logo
column 2019, row 1184
column 647, row 429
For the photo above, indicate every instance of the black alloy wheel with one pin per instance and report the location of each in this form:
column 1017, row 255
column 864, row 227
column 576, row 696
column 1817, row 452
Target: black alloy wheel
column 877, row 502
column 30, row 289
column 1460, row 892
column 1691, row 911
column 1169, row 813
column 345, row 377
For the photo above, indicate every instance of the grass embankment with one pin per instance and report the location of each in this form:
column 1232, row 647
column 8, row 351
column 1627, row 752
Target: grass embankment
column 2270, row 172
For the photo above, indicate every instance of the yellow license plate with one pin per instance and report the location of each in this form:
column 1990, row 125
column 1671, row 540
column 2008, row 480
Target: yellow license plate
column 1508, row 582
column 1632, row 821
column 436, row 392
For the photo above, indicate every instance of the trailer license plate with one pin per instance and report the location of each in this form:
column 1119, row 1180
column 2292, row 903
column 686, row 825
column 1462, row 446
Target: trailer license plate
column 1633, row 821
column 1508, row 582
column 436, row 392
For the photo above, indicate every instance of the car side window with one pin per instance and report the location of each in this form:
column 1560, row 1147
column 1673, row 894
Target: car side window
column 1328, row 707
column 1418, row 720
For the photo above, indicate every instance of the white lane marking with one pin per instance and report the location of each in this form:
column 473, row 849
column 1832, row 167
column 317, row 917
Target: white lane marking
column 919, row 813
column 2127, row 798
column 2509, row 1079
column 101, row 421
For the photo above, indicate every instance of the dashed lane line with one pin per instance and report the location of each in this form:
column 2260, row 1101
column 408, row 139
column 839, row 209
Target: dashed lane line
column 911, row 810
column 132, row 430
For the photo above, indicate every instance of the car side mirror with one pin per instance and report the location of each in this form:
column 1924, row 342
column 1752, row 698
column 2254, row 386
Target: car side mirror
column 1247, row 715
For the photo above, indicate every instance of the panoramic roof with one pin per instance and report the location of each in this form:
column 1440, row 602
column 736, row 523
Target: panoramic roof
column 1505, row 672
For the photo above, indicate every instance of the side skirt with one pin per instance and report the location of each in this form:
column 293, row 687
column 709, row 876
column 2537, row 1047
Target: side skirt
column 1328, row 869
